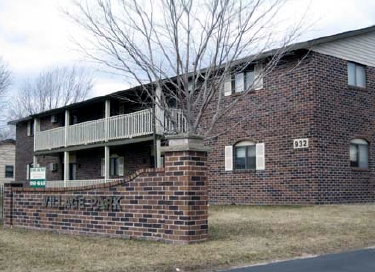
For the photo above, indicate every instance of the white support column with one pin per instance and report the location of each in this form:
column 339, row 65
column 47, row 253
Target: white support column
column 36, row 129
column 159, row 112
column 35, row 161
column 106, row 162
column 67, row 119
column 107, row 115
column 66, row 167
column 159, row 162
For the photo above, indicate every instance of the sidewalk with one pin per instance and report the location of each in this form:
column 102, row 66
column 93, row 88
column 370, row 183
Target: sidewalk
column 355, row 261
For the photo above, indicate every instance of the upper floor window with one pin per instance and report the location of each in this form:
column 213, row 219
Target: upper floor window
column 9, row 171
column 250, row 78
column 359, row 153
column 242, row 81
column 356, row 75
column 30, row 128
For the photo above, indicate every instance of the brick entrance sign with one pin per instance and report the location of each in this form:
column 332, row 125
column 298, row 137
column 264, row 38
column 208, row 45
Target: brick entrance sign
column 167, row 204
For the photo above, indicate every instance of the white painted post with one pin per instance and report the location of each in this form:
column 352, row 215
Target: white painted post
column 35, row 161
column 66, row 167
column 107, row 115
column 159, row 162
column 159, row 113
column 106, row 163
column 36, row 129
column 67, row 119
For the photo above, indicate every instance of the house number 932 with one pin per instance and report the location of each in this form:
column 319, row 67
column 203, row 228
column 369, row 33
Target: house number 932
column 301, row 143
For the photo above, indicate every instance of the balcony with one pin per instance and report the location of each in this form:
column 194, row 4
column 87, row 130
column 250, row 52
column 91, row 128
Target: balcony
column 125, row 126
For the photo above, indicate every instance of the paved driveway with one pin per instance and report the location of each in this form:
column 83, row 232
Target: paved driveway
column 355, row 261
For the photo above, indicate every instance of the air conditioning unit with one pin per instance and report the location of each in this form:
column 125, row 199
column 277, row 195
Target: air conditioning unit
column 53, row 119
column 53, row 167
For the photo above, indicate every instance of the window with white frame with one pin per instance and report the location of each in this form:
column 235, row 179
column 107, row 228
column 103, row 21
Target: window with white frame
column 9, row 171
column 248, row 79
column 116, row 166
column 245, row 155
column 359, row 153
column 356, row 75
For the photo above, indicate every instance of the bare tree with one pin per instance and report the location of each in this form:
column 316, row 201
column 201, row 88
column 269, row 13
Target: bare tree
column 6, row 132
column 5, row 77
column 184, row 50
column 51, row 89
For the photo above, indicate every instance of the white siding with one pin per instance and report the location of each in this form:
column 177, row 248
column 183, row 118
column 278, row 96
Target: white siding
column 7, row 157
column 360, row 48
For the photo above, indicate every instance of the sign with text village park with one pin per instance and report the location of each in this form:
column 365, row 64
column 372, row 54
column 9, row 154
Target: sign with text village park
column 38, row 177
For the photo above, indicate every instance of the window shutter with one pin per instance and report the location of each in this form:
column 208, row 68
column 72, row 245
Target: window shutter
column 260, row 161
column 229, row 158
column 102, row 166
column 120, row 166
column 227, row 85
column 258, row 76
column 239, row 82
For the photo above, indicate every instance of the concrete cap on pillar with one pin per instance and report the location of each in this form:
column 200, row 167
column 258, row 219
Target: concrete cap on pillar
column 183, row 142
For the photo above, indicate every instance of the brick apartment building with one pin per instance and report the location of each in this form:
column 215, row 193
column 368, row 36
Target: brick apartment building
column 304, row 135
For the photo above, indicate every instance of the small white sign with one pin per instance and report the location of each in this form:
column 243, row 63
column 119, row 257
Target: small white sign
column 300, row 143
column 38, row 173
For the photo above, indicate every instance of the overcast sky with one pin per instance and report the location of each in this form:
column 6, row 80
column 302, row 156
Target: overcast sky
column 34, row 35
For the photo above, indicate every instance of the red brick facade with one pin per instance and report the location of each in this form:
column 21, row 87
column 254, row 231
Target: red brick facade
column 24, row 151
column 313, row 101
column 159, row 204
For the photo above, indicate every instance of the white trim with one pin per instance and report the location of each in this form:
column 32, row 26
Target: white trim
column 359, row 141
column 245, row 143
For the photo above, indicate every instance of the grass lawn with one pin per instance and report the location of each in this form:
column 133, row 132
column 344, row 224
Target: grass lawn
column 239, row 235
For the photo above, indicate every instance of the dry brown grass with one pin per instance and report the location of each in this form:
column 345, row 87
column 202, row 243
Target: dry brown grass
column 238, row 235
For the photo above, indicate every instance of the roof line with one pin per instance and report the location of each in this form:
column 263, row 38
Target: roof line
column 296, row 46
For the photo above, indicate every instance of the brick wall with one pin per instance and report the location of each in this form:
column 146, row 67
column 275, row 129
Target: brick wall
column 45, row 161
column 313, row 101
column 275, row 115
column 46, row 124
column 344, row 113
column 159, row 204
column 24, row 151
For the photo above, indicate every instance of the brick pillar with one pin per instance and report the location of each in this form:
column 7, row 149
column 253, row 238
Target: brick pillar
column 186, row 211
column 8, row 202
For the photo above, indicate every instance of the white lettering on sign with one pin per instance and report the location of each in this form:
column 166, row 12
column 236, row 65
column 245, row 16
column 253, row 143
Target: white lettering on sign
column 300, row 143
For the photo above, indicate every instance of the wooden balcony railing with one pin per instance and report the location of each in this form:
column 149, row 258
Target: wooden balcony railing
column 123, row 126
